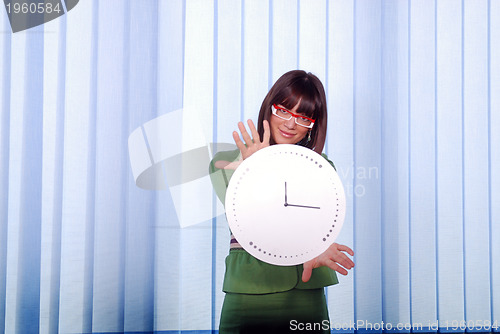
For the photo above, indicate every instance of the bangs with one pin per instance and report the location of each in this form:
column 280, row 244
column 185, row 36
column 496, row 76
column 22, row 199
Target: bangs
column 302, row 91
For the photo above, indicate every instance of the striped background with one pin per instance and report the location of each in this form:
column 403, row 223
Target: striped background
column 414, row 129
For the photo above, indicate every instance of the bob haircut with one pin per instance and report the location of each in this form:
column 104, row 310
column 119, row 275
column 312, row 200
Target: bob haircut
column 294, row 87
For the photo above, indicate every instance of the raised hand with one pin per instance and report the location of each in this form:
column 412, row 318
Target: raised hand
column 251, row 145
column 333, row 258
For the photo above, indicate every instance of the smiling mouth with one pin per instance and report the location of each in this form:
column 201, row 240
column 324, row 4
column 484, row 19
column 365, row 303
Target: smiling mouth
column 286, row 134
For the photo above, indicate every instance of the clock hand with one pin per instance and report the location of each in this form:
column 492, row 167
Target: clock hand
column 303, row 206
column 299, row 206
column 286, row 204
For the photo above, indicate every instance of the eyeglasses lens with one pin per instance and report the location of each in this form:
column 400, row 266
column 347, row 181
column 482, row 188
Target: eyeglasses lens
column 285, row 114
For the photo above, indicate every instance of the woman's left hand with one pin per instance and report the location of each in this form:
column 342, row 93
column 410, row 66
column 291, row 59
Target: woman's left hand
column 333, row 258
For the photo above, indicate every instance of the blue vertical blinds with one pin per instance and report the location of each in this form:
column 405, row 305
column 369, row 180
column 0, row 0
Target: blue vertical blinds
column 413, row 92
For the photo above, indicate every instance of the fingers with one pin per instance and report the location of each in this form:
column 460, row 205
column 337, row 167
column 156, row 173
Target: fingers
column 336, row 255
column 238, row 141
column 333, row 258
column 344, row 248
column 255, row 134
column 248, row 146
column 342, row 258
column 267, row 133
column 346, row 262
column 244, row 134
column 253, row 130
column 306, row 274
column 339, row 265
column 337, row 268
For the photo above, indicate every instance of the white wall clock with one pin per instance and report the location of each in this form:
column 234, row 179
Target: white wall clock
column 285, row 204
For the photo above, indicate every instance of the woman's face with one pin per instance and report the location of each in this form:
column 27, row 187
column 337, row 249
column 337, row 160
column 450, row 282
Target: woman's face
column 287, row 132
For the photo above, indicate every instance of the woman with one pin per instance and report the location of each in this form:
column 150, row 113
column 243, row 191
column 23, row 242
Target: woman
column 261, row 297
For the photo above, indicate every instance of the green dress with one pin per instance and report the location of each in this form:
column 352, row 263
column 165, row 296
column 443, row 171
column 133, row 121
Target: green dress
column 261, row 297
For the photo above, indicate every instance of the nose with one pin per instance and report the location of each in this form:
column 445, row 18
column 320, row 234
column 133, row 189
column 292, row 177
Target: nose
column 290, row 124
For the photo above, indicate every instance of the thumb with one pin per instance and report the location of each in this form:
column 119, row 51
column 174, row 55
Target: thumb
column 221, row 164
column 306, row 274
column 233, row 165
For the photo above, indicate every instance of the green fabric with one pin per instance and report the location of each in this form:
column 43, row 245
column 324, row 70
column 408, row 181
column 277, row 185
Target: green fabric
column 284, row 312
column 247, row 274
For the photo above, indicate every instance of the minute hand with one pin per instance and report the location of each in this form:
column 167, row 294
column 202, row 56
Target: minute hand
column 304, row 206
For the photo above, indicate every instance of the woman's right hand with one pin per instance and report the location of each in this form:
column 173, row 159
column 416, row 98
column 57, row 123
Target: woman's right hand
column 252, row 144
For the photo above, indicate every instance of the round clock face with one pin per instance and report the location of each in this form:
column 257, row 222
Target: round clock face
column 285, row 204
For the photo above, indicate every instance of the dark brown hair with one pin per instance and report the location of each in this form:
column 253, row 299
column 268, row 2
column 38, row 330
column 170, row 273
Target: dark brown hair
column 288, row 90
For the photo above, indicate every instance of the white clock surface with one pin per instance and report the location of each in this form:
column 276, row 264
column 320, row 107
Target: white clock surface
column 285, row 204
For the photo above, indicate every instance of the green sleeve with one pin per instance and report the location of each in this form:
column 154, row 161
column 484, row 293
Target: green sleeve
column 220, row 177
column 331, row 163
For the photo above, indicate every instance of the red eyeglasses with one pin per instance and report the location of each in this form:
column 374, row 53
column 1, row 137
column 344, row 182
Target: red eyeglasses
column 287, row 115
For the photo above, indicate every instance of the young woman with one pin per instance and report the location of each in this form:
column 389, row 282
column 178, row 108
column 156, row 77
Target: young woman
column 260, row 297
